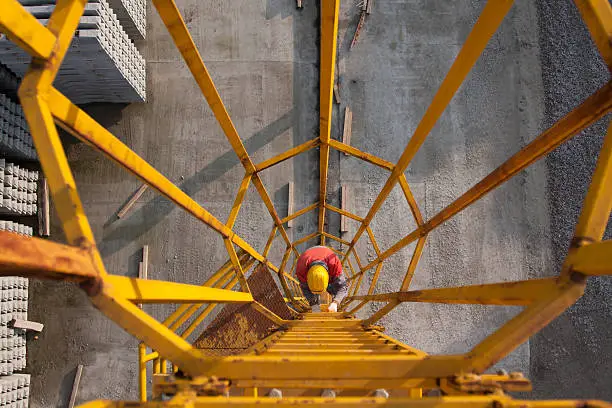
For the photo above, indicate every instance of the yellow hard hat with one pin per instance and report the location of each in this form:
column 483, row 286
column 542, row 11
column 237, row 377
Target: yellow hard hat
column 317, row 278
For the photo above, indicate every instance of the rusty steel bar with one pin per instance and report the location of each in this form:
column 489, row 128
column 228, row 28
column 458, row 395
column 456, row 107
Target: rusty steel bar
column 42, row 259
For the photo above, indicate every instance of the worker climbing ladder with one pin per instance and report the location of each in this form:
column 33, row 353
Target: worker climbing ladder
column 356, row 358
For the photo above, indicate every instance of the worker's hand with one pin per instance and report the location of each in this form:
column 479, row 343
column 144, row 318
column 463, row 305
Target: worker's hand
column 333, row 307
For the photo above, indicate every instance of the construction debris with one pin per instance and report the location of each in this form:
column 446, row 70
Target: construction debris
column 337, row 94
column 75, row 386
column 366, row 9
column 290, row 203
column 44, row 212
column 26, row 325
column 128, row 206
column 348, row 127
column 344, row 192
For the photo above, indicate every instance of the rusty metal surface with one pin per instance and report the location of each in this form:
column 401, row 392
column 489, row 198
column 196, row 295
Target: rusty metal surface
column 238, row 327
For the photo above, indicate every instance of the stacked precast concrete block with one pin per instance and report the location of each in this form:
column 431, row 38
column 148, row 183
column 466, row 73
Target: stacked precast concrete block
column 102, row 63
column 19, row 194
column 15, row 138
column 13, row 305
column 15, row 391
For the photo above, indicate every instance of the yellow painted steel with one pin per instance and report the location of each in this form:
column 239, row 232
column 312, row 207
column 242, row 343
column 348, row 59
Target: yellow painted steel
column 490, row 401
column 354, row 353
column 300, row 212
column 154, row 291
column 597, row 14
column 367, row 157
column 25, row 30
column 304, row 147
column 330, row 10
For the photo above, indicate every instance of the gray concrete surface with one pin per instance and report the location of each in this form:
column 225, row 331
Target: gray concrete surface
column 392, row 74
column 264, row 58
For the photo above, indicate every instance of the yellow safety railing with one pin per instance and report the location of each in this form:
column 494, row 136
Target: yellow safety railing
column 117, row 297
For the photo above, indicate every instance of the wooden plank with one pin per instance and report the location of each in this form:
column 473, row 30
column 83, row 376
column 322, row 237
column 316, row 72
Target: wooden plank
column 368, row 9
column 344, row 191
column 299, row 4
column 124, row 210
column 145, row 263
column 290, row 203
column 348, row 127
column 26, row 325
column 44, row 220
column 337, row 94
column 143, row 266
column 75, row 386
column 358, row 29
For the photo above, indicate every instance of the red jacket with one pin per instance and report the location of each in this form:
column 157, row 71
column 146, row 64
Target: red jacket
column 318, row 253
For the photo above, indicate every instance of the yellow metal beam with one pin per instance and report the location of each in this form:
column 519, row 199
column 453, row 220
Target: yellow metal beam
column 145, row 328
column 414, row 208
column 330, row 10
column 592, row 259
column 304, row 147
column 82, row 126
column 416, row 255
column 242, row 190
column 370, row 158
column 42, row 259
column 300, row 212
column 490, row 18
column 155, row 291
column 522, row 326
column 335, row 238
column 23, row 29
column 598, row 201
column 304, row 239
column 382, row 312
column 237, row 266
column 343, row 212
column 597, row 14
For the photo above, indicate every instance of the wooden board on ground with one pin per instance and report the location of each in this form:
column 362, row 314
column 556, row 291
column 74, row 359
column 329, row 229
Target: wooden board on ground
column 348, row 127
column 344, row 191
column 26, row 325
column 337, row 94
column 290, row 203
column 44, row 213
column 128, row 206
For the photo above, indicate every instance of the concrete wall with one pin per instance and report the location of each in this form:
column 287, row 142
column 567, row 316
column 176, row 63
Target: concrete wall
column 263, row 56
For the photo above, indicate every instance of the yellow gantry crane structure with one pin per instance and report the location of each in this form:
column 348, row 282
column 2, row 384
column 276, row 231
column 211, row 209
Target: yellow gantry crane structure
column 316, row 350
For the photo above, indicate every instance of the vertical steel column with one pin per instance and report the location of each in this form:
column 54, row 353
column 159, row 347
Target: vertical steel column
column 491, row 17
column 329, row 33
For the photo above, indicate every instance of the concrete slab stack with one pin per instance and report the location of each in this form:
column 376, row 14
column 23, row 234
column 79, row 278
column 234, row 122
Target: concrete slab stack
column 132, row 15
column 102, row 64
column 15, row 391
column 18, row 195
column 13, row 305
column 15, row 137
